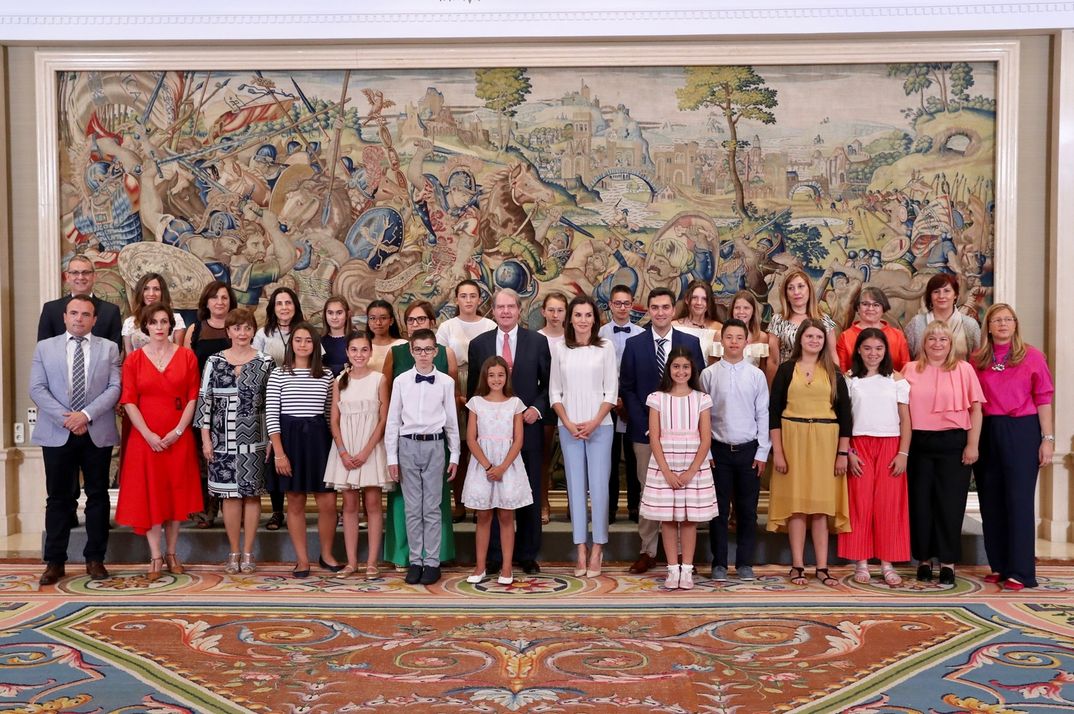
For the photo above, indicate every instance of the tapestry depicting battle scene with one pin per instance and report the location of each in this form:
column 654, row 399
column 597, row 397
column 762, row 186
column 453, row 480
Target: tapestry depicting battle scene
column 397, row 184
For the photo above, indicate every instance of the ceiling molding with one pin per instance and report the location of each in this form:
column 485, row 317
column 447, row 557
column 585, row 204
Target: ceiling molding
column 479, row 19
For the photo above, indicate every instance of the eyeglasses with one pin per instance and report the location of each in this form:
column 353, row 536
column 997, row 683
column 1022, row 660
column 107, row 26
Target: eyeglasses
column 621, row 303
column 1002, row 320
column 80, row 273
column 870, row 305
column 423, row 350
column 416, row 320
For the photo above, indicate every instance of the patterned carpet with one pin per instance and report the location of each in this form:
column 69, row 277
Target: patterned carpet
column 208, row 642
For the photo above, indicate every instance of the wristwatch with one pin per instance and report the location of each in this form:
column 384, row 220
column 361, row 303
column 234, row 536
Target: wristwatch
column 1047, row 437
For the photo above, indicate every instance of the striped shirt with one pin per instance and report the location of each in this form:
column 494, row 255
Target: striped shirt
column 296, row 394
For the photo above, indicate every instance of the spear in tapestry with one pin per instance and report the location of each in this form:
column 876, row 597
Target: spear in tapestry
column 335, row 150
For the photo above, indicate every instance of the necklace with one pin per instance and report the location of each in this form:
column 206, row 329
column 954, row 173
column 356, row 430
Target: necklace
column 1000, row 365
column 160, row 361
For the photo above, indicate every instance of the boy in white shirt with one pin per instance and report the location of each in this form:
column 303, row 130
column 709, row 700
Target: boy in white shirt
column 421, row 414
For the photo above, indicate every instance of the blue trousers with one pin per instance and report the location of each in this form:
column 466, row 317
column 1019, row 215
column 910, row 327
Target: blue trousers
column 587, row 464
column 1006, row 485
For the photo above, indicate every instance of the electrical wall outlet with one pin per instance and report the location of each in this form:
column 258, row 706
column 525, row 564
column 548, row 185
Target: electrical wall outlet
column 20, row 433
column 31, row 415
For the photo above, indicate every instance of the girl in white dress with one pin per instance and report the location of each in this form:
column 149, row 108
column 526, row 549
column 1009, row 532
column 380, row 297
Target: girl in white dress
column 698, row 315
column 496, row 478
column 359, row 464
column 762, row 348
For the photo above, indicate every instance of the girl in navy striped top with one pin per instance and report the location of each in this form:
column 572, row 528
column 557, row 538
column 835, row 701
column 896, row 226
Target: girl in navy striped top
column 298, row 403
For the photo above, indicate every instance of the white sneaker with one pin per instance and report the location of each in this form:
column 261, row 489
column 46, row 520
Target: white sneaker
column 671, row 582
column 686, row 577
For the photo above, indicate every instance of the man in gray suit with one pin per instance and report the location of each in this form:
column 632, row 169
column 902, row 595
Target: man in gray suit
column 74, row 381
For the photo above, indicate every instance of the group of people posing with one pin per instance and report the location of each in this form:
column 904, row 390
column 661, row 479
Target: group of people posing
column 872, row 432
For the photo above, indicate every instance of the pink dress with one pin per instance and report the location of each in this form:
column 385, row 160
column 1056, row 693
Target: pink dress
column 680, row 438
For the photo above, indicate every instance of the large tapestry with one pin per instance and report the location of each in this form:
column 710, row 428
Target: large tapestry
column 397, row 184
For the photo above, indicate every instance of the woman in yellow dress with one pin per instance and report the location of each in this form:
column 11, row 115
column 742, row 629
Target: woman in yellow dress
column 810, row 422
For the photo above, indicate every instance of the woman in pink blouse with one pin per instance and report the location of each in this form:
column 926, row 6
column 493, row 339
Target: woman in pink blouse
column 1017, row 439
column 945, row 412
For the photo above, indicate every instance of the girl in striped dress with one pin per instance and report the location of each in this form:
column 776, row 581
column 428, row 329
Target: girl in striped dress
column 679, row 490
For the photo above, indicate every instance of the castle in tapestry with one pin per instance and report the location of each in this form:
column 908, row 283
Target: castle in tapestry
column 397, row 184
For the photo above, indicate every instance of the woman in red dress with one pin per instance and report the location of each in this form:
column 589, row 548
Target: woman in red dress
column 158, row 483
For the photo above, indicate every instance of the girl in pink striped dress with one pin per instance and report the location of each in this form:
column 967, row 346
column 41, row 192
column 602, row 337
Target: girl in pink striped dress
column 679, row 490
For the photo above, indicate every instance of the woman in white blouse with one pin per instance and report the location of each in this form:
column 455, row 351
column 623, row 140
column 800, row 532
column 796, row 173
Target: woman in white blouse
column 584, row 386
column 150, row 288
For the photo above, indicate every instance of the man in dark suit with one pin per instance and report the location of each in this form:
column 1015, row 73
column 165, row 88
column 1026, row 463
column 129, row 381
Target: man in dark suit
column 80, row 278
column 527, row 354
column 644, row 359
column 74, row 381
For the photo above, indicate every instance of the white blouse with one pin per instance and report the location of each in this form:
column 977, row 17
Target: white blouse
column 583, row 378
column 140, row 339
column 455, row 334
column 875, row 404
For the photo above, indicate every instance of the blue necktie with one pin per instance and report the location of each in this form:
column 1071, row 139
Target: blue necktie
column 616, row 329
column 419, row 378
column 78, row 376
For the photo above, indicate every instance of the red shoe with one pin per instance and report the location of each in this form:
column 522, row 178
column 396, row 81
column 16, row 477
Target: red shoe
column 993, row 578
column 1013, row 585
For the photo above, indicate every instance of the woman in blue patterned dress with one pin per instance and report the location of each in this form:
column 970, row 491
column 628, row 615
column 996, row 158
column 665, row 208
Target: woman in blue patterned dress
column 231, row 416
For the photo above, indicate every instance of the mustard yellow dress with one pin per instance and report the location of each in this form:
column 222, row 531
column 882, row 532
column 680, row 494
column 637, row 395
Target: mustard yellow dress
column 810, row 485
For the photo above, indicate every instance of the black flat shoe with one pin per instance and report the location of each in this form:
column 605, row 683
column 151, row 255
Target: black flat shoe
column 326, row 566
column 413, row 575
column 947, row 576
column 924, row 573
column 300, row 573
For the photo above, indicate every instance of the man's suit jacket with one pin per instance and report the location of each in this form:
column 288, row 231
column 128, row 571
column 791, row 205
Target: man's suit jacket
column 109, row 324
column 529, row 375
column 639, row 376
column 50, row 389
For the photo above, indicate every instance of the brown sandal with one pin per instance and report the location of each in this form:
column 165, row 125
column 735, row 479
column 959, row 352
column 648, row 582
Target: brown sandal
column 174, row 566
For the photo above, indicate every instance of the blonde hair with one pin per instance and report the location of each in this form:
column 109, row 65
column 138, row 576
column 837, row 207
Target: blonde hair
column 812, row 306
column 952, row 358
column 984, row 357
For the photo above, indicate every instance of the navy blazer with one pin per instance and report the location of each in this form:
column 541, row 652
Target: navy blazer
column 109, row 324
column 639, row 376
column 529, row 375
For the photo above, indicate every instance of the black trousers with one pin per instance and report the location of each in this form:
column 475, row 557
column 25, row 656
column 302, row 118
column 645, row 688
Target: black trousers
column 62, row 466
column 736, row 482
column 527, row 518
column 623, row 446
column 1006, row 484
column 937, row 484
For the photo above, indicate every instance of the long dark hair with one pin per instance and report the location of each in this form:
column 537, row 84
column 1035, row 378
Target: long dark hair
column 139, row 299
column 345, row 377
column 569, row 338
column 393, row 325
column 317, row 369
column 272, row 323
column 857, row 365
column 483, row 380
column 666, row 382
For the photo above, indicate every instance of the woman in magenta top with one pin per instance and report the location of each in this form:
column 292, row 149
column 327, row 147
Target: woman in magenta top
column 1017, row 439
column 945, row 413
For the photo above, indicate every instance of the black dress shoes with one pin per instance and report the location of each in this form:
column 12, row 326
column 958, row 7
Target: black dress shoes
column 53, row 573
column 530, row 567
column 333, row 568
column 947, row 576
column 413, row 574
column 924, row 573
column 95, row 569
column 430, row 574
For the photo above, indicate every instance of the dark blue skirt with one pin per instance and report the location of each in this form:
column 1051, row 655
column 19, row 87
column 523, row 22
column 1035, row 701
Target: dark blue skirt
column 306, row 441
